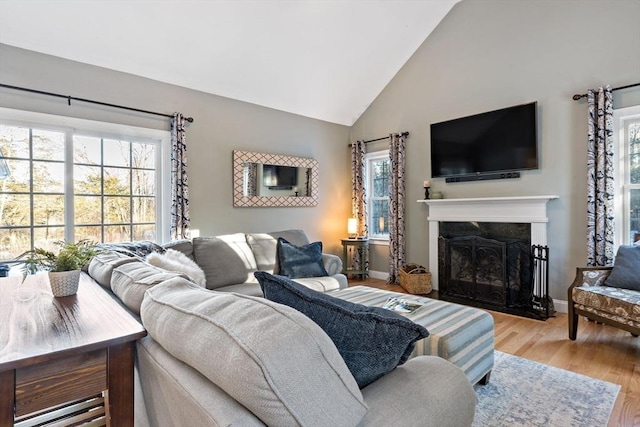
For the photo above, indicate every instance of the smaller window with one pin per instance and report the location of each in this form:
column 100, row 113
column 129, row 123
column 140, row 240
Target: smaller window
column 377, row 190
column 627, row 201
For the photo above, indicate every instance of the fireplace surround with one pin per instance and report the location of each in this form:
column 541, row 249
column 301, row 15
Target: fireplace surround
column 498, row 229
column 520, row 209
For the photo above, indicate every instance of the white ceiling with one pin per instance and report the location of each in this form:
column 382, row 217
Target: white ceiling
column 322, row 59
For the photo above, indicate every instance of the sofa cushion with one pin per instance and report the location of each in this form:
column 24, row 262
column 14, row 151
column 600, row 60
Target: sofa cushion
column 324, row 284
column 264, row 246
column 183, row 245
column 626, row 269
column 101, row 266
column 176, row 261
column 225, row 260
column 372, row 340
column 300, row 261
column 177, row 395
column 130, row 281
column 272, row 359
column 614, row 303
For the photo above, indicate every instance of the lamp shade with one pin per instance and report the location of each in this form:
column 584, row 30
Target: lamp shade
column 352, row 226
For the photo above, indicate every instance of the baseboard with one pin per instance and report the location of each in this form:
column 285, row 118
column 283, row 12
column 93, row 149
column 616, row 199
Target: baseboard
column 561, row 306
column 381, row 275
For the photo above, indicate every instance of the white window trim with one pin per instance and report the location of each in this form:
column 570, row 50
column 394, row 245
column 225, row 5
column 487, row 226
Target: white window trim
column 375, row 155
column 72, row 125
column 621, row 204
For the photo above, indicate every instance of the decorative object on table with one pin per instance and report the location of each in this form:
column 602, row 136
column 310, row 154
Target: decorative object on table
column 63, row 267
column 437, row 195
column 401, row 305
column 426, row 185
column 415, row 279
column 352, row 227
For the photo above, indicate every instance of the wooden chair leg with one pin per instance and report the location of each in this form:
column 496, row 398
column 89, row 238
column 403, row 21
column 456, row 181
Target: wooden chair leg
column 573, row 325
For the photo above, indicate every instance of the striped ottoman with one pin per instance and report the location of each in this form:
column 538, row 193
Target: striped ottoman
column 460, row 334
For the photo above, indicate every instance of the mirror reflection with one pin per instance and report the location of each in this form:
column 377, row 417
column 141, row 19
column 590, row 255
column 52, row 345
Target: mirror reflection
column 275, row 180
column 262, row 179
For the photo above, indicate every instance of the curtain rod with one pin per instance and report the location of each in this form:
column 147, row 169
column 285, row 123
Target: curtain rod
column 90, row 101
column 384, row 137
column 578, row 96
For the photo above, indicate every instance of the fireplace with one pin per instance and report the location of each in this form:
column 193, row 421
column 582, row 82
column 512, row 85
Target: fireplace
column 486, row 252
column 494, row 272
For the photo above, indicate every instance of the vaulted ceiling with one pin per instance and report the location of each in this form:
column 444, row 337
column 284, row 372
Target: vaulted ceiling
column 327, row 60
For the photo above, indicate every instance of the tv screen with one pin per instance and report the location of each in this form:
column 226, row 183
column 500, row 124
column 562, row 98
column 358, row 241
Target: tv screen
column 497, row 141
column 279, row 177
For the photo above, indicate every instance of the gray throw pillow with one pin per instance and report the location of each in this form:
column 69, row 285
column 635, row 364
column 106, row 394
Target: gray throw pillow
column 371, row 340
column 626, row 269
column 300, row 261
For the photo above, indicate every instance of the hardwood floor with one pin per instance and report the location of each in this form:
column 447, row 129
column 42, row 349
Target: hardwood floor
column 600, row 351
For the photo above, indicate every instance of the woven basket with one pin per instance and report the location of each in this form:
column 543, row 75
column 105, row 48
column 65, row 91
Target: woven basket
column 415, row 279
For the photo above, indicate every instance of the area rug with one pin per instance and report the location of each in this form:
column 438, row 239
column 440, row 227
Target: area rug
column 526, row 393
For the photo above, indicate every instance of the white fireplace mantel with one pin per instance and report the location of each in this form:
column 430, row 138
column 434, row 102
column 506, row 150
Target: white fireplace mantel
column 521, row 209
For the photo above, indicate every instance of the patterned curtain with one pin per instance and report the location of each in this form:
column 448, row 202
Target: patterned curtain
column 358, row 196
column 180, row 219
column 397, row 244
column 359, row 199
column 600, row 178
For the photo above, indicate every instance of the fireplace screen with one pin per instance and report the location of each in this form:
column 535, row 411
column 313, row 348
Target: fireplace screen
column 491, row 273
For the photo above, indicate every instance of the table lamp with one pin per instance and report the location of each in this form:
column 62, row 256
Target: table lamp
column 352, row 227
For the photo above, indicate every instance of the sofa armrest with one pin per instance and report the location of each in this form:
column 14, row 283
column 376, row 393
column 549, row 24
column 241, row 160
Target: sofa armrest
column 332, row 263
column 426, row 391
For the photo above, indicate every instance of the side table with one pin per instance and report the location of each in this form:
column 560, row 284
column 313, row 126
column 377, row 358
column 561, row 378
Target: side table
column 55, row 351
column 354, row 251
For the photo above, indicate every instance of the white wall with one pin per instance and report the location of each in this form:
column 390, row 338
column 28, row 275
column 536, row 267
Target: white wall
column 490, row 54
column 221, row 125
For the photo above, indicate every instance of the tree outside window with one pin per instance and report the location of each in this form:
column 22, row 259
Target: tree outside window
column 633, row 132
column 377, row 172
column 627, row 201
column 113, row 193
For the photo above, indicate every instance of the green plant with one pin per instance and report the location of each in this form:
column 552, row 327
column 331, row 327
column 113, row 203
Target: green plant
column 72, row 256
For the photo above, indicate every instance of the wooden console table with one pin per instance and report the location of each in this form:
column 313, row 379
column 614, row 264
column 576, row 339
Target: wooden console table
column 54, row 351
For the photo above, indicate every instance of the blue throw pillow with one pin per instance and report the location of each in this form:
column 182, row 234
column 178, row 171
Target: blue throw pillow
column 300, row 261
column 626, row 269
column 371, row 340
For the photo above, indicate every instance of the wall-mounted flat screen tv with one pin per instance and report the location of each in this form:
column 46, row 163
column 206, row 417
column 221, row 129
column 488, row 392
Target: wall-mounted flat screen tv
column 277, row 177
column 492, row 142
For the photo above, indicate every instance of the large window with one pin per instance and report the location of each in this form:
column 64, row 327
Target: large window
column 627, row 201
column 100, row 182
column 377, row 190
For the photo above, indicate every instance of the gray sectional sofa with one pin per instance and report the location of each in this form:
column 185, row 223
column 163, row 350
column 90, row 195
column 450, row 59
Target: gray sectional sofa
column 230, row 260
column 226, row 356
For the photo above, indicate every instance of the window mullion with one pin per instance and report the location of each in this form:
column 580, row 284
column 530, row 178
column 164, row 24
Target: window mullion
column 69, row 221
column 32, row 219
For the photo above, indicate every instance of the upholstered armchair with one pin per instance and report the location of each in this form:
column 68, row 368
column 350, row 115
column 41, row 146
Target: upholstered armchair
column 589, row 296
